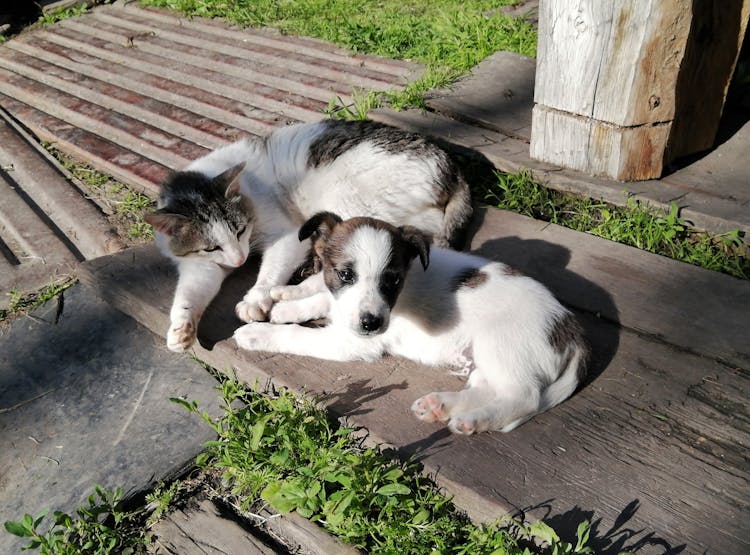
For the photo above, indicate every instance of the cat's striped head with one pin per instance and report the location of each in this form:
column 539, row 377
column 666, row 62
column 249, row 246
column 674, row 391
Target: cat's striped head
column 205, row 217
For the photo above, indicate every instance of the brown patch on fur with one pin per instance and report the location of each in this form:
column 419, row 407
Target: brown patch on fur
column 566, row 331
column 470, row 277
column 511, row 271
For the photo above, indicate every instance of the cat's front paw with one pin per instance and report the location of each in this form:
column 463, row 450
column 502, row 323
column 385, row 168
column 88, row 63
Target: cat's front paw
column 430, row 408
column 258, row 336
column 255, row 306
column 181, row 335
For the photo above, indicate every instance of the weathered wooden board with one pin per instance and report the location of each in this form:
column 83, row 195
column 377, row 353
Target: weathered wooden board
column 652, row 449
column 499, row 94
column 624, row 88
column 207, row 529
column 202, row 531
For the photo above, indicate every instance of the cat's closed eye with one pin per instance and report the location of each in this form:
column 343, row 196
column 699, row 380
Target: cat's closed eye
column 213, row 249
column 241, row 231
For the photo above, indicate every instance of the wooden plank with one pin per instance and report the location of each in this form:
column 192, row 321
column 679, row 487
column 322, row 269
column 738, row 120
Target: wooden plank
column 243, row 87
column 202, row 530
column 654, row 429
column 76, row 216
column 160, row 147
column 295, row 44
column 113, row 159
column 205, row 110
column 498, row 94
column 183, row 35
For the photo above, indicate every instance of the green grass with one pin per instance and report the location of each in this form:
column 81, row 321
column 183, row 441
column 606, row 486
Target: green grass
column 101, row 527
column 282, row 449
column 635, row 224
column 23, row 302
column 448, row 37
column 123, row 206
column 53, row 16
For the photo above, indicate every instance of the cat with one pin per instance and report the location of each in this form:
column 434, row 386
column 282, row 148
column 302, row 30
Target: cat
column 252, row 196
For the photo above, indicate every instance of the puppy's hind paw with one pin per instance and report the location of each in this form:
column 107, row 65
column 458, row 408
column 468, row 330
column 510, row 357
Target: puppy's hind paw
column 429, row 408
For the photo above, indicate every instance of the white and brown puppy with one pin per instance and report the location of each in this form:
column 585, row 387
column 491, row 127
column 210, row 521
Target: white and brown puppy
column 522, row 350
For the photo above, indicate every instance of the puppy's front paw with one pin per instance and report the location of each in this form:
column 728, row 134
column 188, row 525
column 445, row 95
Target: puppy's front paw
column 255, row 306
column 284, row 312
column 181, row 335
column 430, row 408
column 284, row 292
column 463, row 425
column 258, row 336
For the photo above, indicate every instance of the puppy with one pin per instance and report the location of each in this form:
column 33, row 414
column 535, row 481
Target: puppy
column 523, row 352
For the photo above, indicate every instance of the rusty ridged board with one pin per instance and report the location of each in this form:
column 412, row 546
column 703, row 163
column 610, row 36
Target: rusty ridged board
column 138, row 92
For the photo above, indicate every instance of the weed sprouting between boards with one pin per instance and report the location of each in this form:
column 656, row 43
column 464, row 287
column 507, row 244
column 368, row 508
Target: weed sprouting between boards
column 123, row 206
column 21, row 302
column 100, row 527
column 635, row 224
column 283, row 449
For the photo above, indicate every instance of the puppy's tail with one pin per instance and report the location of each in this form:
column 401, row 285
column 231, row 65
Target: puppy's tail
column 576, row 356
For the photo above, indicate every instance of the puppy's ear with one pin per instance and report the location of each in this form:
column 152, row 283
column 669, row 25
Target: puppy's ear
column 165, row 222
column 319, row 226
column 231, row 180
column 418, row 243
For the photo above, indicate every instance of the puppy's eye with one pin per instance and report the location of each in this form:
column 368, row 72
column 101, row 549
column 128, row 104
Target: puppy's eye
column 213, row 249
column 241, row 231
column 391, row 281
column 346, row 275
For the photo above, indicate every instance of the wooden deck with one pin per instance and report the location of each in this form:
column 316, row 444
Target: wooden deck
column 653, row 449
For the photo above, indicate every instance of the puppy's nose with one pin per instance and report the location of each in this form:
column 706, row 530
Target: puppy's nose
column 370, row 322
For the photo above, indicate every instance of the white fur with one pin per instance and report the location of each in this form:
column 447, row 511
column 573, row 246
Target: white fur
column 498, row 332
column 285, row 192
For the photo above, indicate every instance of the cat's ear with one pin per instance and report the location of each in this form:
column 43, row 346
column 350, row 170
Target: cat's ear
column 319, row 226
column 417, row 244
column 231, row 179
column 165, row 222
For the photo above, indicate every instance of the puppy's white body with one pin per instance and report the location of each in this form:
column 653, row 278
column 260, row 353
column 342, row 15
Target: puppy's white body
column 300, row 170
column 522, row 350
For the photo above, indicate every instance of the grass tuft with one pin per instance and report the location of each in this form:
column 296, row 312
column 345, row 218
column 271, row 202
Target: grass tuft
column 53, row 16
column 282, row 449
column 21, row 302
column 636, row 224
column 123, row 206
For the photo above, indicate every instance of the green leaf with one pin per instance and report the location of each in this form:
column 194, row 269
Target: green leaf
column 257, row 433
column 393, row 489
column 544, row 532
column 421, row 516
column 191, row 406
column 18, row 529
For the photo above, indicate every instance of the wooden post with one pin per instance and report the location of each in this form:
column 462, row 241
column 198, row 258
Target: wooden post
column 623, row 87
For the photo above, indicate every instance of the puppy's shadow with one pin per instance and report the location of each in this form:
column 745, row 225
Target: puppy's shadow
column 548, row 263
